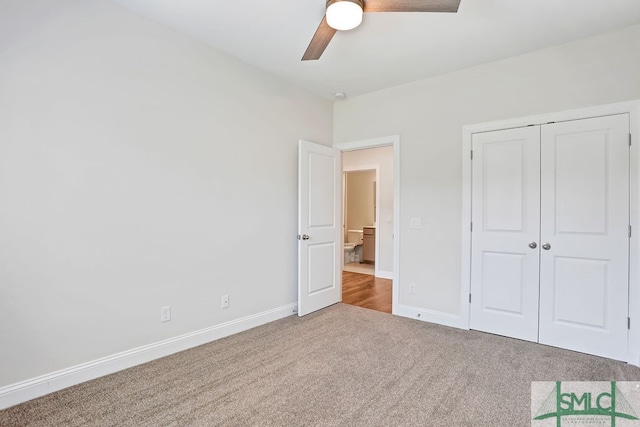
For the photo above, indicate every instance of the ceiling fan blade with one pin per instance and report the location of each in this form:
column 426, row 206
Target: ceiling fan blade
column 411, row 5
column 319, row 42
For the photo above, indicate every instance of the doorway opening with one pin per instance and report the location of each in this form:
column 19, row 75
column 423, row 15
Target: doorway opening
column 368, row 227
column 360, row 215
column 320, row 233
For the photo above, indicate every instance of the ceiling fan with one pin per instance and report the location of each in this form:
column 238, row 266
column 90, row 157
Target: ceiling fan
column 347, row 14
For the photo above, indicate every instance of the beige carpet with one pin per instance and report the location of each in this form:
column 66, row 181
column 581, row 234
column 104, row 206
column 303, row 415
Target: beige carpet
column 342, row 366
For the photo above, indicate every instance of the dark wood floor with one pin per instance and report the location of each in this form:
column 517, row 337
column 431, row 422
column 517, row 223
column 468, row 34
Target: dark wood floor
column 366, row 291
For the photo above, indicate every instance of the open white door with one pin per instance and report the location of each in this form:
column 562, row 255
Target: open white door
column 319, row 227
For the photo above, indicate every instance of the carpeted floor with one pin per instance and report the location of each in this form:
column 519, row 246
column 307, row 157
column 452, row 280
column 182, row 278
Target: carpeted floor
column 341, row 366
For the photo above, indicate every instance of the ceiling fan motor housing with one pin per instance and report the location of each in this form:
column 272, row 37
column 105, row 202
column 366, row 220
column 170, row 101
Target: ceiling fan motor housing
column 344, row 14
column 358, row 2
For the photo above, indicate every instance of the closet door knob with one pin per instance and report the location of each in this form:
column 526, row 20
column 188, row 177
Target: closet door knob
column 546, row 246
column 533, row 245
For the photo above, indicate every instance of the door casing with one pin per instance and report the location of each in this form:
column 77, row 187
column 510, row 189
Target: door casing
column 394, row 141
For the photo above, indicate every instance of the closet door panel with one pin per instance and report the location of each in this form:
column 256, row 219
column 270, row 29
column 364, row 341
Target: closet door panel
column 505, row 215
column 584, row 222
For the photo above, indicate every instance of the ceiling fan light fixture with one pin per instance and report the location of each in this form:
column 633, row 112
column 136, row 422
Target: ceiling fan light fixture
column 344, row 14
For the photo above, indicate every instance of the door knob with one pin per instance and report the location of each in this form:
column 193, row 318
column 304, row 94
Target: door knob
column 303, row 237
column 533, row 245
column 546, row 246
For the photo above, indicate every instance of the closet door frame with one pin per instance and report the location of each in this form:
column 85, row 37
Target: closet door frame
column 633, row 109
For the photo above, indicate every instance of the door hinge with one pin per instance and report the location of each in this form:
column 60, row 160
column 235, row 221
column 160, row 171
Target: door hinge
column 628, row 322
column 471, row 154
column 629, row 231
column 471, row 226
column 469, row 298
column 299, row 237
column 629, row 140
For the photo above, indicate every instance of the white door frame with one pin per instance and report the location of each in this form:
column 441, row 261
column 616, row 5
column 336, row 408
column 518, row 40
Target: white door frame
column 394, row 141
column 370, row 167
column 630, row 107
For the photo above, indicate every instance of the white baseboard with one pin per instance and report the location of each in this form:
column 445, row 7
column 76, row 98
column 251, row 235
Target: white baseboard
column 441, row 318
column 384, row 274
column 30, row 389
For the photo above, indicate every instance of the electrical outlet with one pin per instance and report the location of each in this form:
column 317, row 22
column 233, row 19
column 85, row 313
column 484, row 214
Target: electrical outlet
column 225, row 301
column 415, row 223
column 412, row 288
column 165, row 314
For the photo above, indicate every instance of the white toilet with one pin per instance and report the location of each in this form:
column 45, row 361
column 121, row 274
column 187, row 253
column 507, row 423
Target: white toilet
column 353, row 242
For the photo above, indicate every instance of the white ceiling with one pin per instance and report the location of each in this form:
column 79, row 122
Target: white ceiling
column 388, row 48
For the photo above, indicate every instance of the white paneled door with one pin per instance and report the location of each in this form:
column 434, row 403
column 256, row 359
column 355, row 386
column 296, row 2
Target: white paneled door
column 550, row 239
column 319, row 227
column 584, row 264
column 506, row 228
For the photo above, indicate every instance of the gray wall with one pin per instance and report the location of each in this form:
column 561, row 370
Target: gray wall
column 429, row 116
column 138, row 169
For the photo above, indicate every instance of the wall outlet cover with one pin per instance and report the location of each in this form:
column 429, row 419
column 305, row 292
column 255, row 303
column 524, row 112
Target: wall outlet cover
column 165, row 314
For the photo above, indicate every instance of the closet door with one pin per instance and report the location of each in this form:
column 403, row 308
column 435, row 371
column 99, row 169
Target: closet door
column 505, row 235
column 584, row 235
